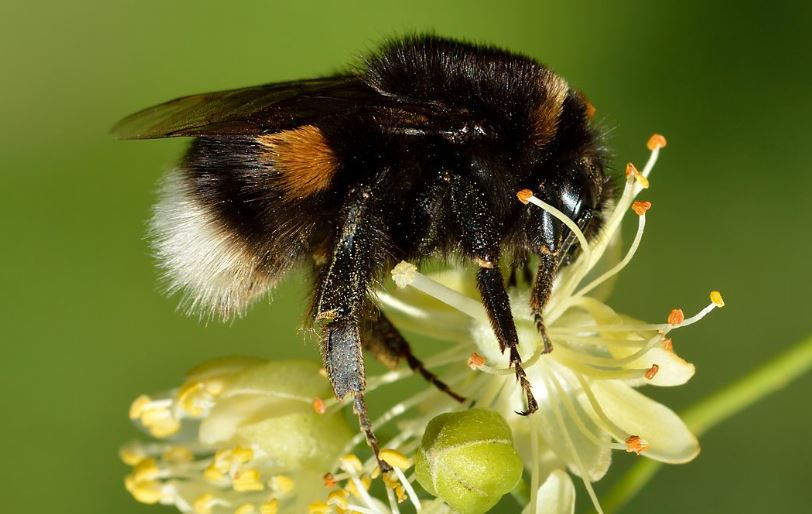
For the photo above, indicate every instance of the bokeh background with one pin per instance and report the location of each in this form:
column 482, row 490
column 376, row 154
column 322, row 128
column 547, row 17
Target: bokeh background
column 85, row 327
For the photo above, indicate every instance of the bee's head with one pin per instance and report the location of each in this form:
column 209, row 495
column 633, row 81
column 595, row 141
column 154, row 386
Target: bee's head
column 566, row 166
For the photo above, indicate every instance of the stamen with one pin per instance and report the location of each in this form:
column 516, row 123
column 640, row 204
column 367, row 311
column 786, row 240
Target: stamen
column 329, row 480
column 655, row 142
column 634, row 444
column 406, row 274
column 641, row 225
column 652, row 371
column 407, row 486
column 269, row 507
column 640, row 207
column 524, row 196
column 475, row 361
column 319, row 406
column 631, row 171
column 563, row 218
column 716, row 299
column 395, row 458
column 676, row 317
column 318, row 507
column 668, row 345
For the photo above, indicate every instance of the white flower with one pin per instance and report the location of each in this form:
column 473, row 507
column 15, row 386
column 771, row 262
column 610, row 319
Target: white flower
column 586, row 387
column 249, row 436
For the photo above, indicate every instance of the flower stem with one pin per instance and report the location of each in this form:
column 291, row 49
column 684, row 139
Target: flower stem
column 718, row 407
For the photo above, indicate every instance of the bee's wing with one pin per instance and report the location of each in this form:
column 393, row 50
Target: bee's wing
column 253, row 110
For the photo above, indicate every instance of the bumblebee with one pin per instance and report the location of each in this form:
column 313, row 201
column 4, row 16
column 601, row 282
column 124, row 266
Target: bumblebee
column 416, row 153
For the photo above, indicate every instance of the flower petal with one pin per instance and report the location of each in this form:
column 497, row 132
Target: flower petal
column 668, row 438
column 555, row 496
column 563, row 425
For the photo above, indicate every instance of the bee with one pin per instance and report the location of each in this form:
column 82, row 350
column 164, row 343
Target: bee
column 416, row 153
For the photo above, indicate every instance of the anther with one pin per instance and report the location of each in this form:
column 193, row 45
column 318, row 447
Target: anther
column 248, row 480
column 652, row 371
column 395, row 458
column 640, row 207
column 656, row 141
column 203, row 503
column 634, row 444
column 318, row 507
column 138, row 406
column 676, row 317
column 716, row 298
column 281, row 484
column 475, row 360
column 245, row 508
column 319, row 406
column 269, row 507
column 668, row 345
column 631, row 170
column 339, row 498
column 351, row 464
column 403, row 273
column 524, row 196
column 329, row 480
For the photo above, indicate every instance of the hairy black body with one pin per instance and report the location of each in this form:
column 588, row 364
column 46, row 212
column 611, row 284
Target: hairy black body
column 417, row 154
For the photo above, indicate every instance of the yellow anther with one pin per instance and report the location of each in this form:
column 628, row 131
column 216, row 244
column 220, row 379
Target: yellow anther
column 631, row 171
column 475, row 360
column 319, row 406
column 203, row 503
column 138, row 405
column 223, row 459
column 652, row 371
column 524, row 196
column 634, row 444
column 716, row 298
column 351, row 464
column 145, row 470
column 640, row 207
column 212, row 474
column 676, row 317
column 395, row 458
column 164, row 428
column 282, row 484
column 339, row 497
column 178, row 454
column 656, row 141
column 318, row 507
column 147, row 492
column 269, row 507
column 189, row 398
column 242, row 455
column 131, row 455
column 247, row 480
column 245, row 508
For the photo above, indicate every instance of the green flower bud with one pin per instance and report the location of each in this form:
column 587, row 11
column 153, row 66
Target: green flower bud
column 467, row 459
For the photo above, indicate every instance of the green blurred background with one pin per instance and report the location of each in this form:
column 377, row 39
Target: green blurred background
column 85, row 328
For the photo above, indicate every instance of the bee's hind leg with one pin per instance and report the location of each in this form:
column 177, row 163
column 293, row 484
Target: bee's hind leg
column 340, row 294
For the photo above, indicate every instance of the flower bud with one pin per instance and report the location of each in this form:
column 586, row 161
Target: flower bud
column 467, row 459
